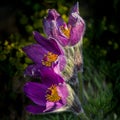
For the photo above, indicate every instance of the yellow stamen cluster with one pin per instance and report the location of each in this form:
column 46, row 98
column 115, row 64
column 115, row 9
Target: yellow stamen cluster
column 66, row 31
column 53, row 96
column 49, row 58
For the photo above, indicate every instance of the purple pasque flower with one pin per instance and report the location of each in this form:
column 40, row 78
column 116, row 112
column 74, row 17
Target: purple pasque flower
column 48, row 96
column 46, row 54
column 67, row 34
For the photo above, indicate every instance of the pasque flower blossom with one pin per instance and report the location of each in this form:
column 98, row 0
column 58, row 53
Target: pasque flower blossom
column 67, row 34
column 53, row 93
column 48, row 53
column 49, row 95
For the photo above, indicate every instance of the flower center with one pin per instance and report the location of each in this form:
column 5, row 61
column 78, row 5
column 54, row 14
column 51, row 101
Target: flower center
column 65, row 30
column 52, row 94
column 49, row 58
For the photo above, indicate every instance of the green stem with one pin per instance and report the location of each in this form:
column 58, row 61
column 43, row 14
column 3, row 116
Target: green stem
column 80, row 86
column 82, row 116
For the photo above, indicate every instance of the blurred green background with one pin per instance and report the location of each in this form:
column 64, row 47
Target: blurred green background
column 101, row 51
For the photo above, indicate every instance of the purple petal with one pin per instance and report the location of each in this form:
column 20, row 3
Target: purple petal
column 75, row 8
column 35, row 109
column 35, row 52
column 77, row 25
column 49, row 77
column 62, row 62
column 52, row 106
column 47, row 26
column 33, row 70
column 77, row 29
column 36, row 92
column 52, row 14
column 63, row 92
column 49, row 106
column 49, row 44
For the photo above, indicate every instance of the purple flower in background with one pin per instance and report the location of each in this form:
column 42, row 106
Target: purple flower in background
column 48, row 96
column 67, row 34
column 46, row 54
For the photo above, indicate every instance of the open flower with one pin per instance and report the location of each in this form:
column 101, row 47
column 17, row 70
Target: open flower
column 46, row 54
column 48, row 96
column 67, row 34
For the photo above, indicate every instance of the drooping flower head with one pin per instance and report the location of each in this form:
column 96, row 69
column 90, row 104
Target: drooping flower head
column 67, row 34
column 46, row 54
column 49, row 95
